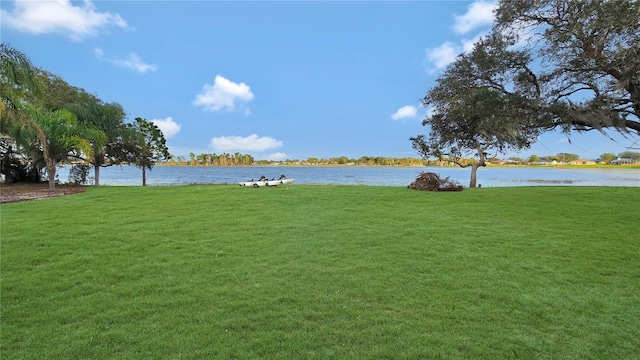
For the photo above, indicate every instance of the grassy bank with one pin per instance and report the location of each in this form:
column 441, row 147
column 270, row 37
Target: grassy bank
column 322, row 272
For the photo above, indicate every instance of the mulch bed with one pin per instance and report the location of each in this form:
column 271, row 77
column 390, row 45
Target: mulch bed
column 27, row 191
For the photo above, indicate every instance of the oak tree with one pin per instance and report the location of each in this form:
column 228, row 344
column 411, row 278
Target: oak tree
column 588, row 58
column 480, row 105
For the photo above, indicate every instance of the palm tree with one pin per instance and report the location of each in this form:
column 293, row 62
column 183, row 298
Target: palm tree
column 108, row 118
column 63, row 135
column 17, row 77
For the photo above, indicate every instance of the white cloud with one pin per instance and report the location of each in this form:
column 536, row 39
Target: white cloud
column 168, row 126
column 404, row 112
column 447, row 53
column 478, row 14
column 250, row 143
column 59, row 17
column 132, row 61
column 222, row 94
column 443, row 55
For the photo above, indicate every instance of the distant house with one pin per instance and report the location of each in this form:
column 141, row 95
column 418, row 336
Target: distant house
column 497, row 161
column 624, row 161
column 583, row 162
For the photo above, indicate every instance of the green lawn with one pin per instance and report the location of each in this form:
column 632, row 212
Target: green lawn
column 322, row 272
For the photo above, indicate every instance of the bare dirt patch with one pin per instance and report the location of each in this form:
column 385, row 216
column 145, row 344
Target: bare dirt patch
column 23, row 192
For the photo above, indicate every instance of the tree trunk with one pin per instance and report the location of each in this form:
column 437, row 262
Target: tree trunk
column 476, row 165
column 144, row 176
column 474, row 170
column 51, row 163
column 96, row 171
column 51, row 172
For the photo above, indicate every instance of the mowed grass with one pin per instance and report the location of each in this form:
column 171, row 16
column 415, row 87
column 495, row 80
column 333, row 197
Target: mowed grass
column 322, row 272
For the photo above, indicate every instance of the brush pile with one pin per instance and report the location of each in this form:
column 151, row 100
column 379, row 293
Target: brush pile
column 428, row 181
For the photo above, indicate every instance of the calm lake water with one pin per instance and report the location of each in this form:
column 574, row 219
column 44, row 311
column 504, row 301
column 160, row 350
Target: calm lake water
column 364, row 175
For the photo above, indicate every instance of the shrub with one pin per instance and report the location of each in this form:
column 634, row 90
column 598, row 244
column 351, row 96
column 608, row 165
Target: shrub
column 428, row 181
column 79, row 174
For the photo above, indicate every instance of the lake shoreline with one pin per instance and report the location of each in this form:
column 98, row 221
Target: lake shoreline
column 558, row 166
column 492, row 176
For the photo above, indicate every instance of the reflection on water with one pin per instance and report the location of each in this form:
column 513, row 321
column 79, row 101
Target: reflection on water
column 365, row 175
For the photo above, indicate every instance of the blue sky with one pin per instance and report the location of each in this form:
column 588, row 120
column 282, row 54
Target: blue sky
column 274, row 79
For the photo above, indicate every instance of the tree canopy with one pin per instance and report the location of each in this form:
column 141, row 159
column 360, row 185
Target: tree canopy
column 588, row 58
column 149, row 146
column 548, row 64
column 474, row 108
column 107, row 150
column 63, row 135
column 57, row 94
column 17, row 80
column 44, row 120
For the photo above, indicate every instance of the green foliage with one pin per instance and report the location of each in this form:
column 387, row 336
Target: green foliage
column 474, row 110
column 79, row 174
column 630, row 155
column 547, row 64
column 17, row 80
column 56, row 93
column 149, row 146
column 322, row 272
column 62, row 130
column 109, row 149
column 152, row 144
column 590, row 51
column 33, row 113
column 14, row 165
column 62, row 136
column 238, row 159
column 607, row 157
column 567, row 157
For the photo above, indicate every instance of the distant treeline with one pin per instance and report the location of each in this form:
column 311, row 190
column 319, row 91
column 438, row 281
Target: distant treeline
column 238, row 159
